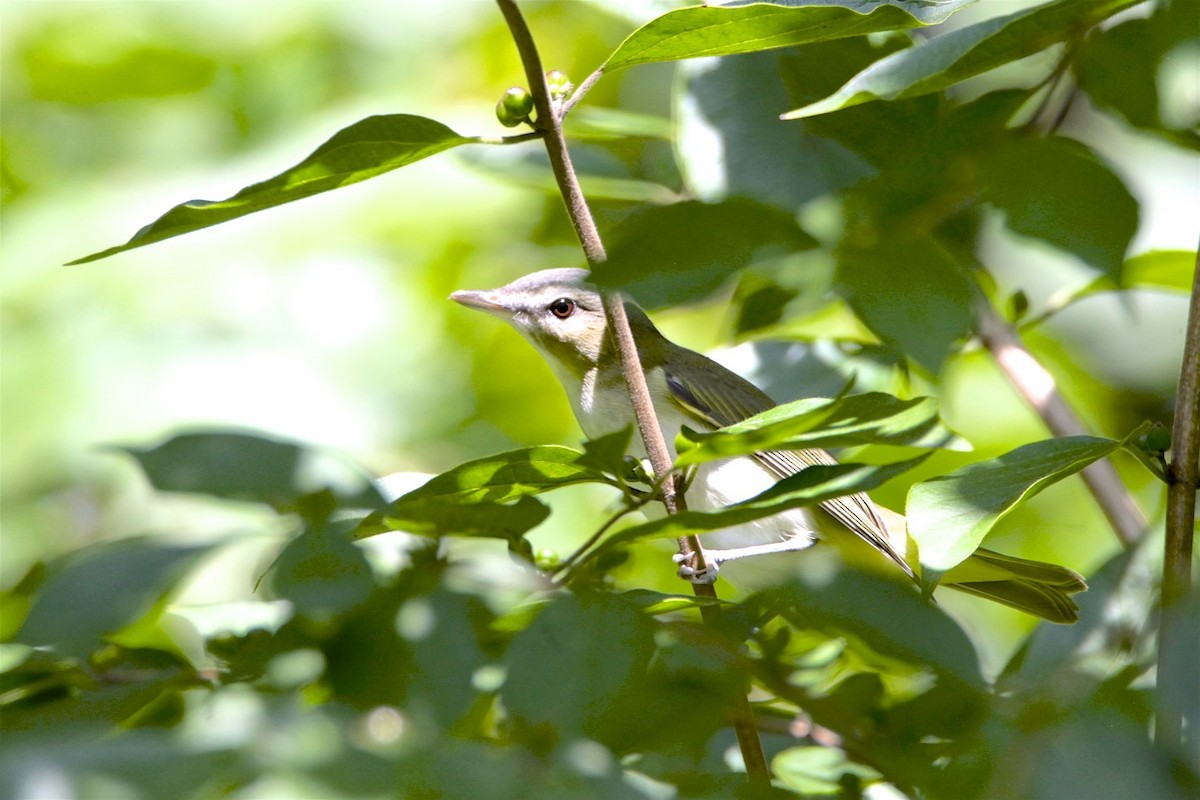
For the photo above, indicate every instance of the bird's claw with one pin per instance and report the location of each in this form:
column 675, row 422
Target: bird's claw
column 688, row 570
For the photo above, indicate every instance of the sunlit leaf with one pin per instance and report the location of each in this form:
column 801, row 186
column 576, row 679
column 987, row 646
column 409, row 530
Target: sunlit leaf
column 807, row 487
column 368, row 148
column 966, row 52
column 725, row 30
column 473, row 498
column 667, row 255
column 950, row 515
column 872, row 418
column 1167, row 269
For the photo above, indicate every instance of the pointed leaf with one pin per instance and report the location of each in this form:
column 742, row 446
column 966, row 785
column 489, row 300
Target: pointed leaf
column 1057, row 190
column 966, row 52
column 807, row 487
column 99, row 589
column 950, row 515
column 1167, row 269
column 911, row 293
column 472, row 498
column 663, row 256
column 872, row 418
column 367, row 148
column 235, row 465
column 725, row 30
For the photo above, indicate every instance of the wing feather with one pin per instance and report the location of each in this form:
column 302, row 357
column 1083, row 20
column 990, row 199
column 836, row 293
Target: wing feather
column 726, row 398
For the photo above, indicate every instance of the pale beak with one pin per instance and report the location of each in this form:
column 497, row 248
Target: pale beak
column 491, row 302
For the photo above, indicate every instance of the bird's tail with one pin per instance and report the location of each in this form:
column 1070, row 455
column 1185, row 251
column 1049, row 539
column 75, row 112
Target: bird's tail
column 1034, row 587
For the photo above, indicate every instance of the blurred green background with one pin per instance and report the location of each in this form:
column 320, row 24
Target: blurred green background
column 326, row 321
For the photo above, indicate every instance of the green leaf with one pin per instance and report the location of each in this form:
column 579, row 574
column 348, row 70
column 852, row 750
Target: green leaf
column 473, row 498
column 667, row 255
column 322, row 573
column 910, row 293
column 507, row 476
column 950, row 515
column 249, row 467
column 966, row 52
column 725, row 30
column 872, row 418
column 807, row 487
column 449, row 516
column 368, row 148
column 1057, row 190
column 100, row 589
column 890, row 616
column 1129, row 69
column 1168, row 269
column 569, row 668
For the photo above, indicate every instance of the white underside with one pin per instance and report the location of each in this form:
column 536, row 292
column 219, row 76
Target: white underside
column 714, row 485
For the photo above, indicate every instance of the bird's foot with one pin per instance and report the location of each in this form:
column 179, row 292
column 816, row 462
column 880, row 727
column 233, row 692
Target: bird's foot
column 689, row 571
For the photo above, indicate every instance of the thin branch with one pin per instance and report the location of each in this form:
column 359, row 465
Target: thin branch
column 1038, row 388
column 579, row 92
column 1183, row 476
column 514, row 139
column 550, row 122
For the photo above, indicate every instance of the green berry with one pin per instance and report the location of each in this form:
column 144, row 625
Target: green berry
column 546, row 559
column 514, row 107
column 1158, row 440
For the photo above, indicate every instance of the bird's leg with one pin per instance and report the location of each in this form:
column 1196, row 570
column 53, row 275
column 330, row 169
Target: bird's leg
column 713, row 559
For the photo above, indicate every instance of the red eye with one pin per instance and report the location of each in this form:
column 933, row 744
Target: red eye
column 563, row 307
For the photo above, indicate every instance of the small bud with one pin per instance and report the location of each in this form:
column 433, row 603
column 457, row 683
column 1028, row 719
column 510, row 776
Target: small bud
column 1018, row 306
column 514, row 107
column 546, row 559
column 558, row 83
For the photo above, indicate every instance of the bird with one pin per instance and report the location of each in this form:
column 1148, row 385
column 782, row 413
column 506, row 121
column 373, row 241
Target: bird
column 562, row 315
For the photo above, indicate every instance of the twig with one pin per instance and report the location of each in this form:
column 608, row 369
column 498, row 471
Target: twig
column 1183, row 477
column 550, row 122
column 579, row 92
column 1037, row 386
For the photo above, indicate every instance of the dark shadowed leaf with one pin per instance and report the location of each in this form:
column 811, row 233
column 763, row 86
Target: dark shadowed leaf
column 1057, row 190
column 1125, row 68
column 911, row 293
column 667, row 255
column 888, row 615
column 367, row 148
column 567, row 669
column 966, row 52
column 97, row 590
column 872, row 418
column 725, row 30
column 251, row 467
column 949, row 516
column 322, row 572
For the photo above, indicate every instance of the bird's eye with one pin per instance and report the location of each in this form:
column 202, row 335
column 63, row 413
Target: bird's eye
column 563, row 307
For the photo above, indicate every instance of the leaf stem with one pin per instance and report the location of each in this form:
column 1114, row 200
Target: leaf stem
column 549, row 121
column 579, row 92
column 1183, row 477
column 1038, row 388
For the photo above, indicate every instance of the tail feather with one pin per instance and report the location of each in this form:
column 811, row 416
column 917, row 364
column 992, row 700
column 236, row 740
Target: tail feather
column 1048, row 602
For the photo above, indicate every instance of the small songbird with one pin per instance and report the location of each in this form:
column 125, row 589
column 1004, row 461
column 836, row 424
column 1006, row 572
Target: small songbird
column 563, row 318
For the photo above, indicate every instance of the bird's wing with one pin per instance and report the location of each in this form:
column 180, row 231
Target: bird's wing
column 726, row 398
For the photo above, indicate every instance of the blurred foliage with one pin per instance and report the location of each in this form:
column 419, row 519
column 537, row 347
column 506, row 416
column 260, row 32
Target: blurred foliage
column 232, row 601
